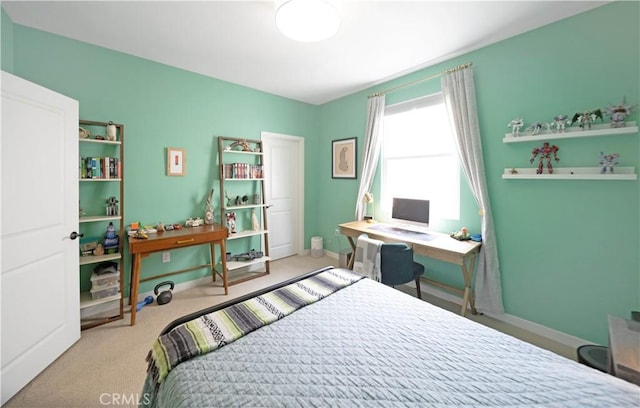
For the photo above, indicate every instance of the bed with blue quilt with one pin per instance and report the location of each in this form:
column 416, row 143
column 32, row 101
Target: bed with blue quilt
column 333, row 338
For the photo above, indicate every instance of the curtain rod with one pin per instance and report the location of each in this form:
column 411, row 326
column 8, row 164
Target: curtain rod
column 448, row 71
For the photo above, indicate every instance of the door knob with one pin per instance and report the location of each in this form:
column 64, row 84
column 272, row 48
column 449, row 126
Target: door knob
column 75, row 235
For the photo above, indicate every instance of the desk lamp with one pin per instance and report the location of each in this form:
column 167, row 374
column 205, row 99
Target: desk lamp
column 368, row 199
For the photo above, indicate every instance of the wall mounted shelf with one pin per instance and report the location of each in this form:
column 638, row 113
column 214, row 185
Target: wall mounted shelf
column 573, row 132
column 571, row 173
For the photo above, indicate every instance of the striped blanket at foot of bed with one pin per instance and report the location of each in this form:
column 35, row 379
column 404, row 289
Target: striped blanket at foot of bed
column 214, row 330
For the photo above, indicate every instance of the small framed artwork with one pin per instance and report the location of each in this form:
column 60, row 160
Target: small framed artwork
column 176, row 161
column 343, row 158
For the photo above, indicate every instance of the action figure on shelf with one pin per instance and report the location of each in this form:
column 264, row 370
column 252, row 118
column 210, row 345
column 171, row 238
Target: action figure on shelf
column 231, row 222
column 559, row 122
column 584, row 119
column 515, row 126
column 608, row 161
column 619, row 112
column 535, row 128
column 112, row 206
column 545, row 151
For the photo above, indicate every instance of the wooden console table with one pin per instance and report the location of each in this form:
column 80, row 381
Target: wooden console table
column 439, row 246
column 168, row 240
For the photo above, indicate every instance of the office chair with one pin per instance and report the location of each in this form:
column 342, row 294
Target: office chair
column 397, row 266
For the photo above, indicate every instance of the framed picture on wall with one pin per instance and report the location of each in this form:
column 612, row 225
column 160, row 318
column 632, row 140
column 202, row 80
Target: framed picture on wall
column 176, row 161
column 343, row 158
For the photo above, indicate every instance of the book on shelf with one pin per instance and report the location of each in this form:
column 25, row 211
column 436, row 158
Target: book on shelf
column 242, row 171
column 100, row 168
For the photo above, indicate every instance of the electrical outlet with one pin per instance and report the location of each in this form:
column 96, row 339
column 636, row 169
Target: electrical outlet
column 166, row 257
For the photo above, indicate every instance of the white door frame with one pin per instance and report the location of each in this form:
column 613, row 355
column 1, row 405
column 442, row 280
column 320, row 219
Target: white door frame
column 268, row 136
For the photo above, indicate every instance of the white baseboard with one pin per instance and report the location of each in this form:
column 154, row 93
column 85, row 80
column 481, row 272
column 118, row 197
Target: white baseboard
column 544, row 331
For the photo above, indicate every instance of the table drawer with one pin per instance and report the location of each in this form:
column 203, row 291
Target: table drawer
column 176, row 241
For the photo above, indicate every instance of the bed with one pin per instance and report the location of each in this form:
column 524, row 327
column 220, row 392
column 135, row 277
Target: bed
column 362, row 344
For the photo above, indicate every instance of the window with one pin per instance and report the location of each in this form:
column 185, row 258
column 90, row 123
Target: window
column 419, row 158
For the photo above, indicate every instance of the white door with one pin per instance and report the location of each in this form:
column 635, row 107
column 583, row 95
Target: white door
column 284, row 192
column 40, row 276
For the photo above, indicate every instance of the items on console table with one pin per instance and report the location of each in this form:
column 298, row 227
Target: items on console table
column 179, row 238
column 432, row 244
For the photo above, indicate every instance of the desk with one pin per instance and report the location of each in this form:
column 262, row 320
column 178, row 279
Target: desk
column 168, row 240
column 441, row 247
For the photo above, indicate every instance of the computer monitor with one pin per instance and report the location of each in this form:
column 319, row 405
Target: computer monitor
column 410, row 211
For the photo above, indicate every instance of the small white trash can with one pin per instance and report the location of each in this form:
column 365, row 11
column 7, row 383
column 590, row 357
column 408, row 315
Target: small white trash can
column 316, row 247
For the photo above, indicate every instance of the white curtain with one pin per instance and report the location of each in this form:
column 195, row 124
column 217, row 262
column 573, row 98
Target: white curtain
column 371, row 150
column 460, row 100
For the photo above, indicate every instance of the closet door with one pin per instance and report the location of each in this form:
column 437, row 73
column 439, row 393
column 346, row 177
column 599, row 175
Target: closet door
column 284, row 193
column 40, row 281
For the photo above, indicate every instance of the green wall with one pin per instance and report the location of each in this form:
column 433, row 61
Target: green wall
column 6, row 36
column 161, row 107
column 568, row 249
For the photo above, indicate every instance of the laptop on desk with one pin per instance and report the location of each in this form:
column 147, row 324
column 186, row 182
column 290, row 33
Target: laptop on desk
column 404, row 231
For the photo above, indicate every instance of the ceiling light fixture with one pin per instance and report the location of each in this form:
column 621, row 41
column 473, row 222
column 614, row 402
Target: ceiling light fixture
column 308, row 20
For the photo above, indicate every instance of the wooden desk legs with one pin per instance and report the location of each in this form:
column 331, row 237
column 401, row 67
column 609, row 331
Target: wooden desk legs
column 135, row 284
column 467, row 273
column 352, row 257
column 223, row 262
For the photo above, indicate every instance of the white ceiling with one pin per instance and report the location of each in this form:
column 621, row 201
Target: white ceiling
column 237, row 41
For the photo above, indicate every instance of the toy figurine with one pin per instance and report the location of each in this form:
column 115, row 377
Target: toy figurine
column 559, row 122
column 515, row 126
column 608, row 161
column 535, row 128
column 584, row 119
column 231, row 222
column 545, row 151
column 112, row 206
column 618, row 113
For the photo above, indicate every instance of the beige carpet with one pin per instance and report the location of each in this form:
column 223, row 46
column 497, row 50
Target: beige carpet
column 106, row 367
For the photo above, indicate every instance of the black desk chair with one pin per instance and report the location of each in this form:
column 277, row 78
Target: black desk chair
column 397, row 266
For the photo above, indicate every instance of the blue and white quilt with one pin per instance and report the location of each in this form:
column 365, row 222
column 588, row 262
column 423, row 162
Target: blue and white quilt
column 368, row 345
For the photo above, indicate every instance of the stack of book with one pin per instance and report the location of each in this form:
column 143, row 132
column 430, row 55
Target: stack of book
column 242, row 171
column 100, row 168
